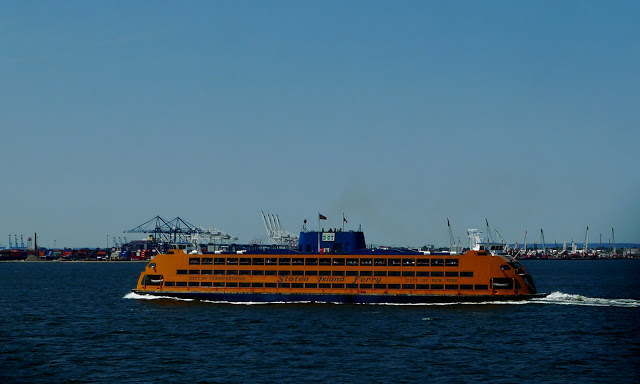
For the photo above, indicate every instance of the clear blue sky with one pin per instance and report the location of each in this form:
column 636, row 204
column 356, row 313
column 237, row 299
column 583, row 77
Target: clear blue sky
column 399, row 114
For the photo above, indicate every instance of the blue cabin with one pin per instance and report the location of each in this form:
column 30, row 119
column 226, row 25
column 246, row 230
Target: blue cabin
column 335, row 242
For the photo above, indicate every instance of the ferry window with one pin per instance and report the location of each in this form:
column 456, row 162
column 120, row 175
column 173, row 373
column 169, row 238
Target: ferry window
column 466, row 274
column 451, row 262
column 352, row 262
column 270, row 285
column 311, row 285
column 352, row 286
column 451, row 274
column 194, row 283
column 297, row 273
column 194, row 271
column 270, row 273
column 284, row 273
column 352, row 273
column 194, row 261
column 408, row 286
column 422, row 273
column 393, row 286
column 437, row 286
column 257, row 273
column 311, row 273
column 380, row 262
column 451, row 286
column 394, row 273
column 284, row 261
column 207, row 260
column 395, row 262
column 324, row 261
column 219, row 261
column 337, row 285
column 311, row 261
column 297, row 285
column 422, row 262
column 337, row 273
column 271, row 261
column 422, row 286
column 408, row 273
column 182, row 272
column 245, row 272
column 324, row 273
column 324, row 285
column 502, row 283
column 297, row 261
column 169, row 252
column 365, row 286
column 257, row 261
column 232, row 272
column 257, row 285
column 437, row 262
column 366, row 273
column 244, row 285
column 206, row 284
column 380, row 273
column 151, row 265
column 437, row 274
column 366, row 261
column 232, row 261
column 338, row 261
column 481, row 287
column 218, row 284
column 181, row 284
column 466, row 286
column 408, row 261
column 245, row 261
column 284, row 285
column 218, row 272
column 169, row 284
column 380, row 286
column 505, row 267
column 232, row 285
column 207, row 272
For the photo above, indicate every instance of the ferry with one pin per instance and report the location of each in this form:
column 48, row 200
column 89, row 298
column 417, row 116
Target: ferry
column 336, row 266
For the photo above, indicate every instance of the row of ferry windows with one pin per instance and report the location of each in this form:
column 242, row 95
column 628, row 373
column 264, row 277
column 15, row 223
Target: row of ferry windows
column 321, row 261
column 325, row 273
column 482, row 287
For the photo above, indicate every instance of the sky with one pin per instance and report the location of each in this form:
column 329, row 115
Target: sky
column 398, row 115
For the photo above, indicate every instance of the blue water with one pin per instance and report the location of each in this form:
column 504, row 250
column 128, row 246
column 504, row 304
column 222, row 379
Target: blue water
column 78, row 323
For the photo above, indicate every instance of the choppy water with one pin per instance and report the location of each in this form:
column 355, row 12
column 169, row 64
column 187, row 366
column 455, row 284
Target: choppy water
column 78, row 322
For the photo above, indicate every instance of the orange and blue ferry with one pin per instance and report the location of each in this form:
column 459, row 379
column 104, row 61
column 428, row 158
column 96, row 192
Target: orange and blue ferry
column 337, row 266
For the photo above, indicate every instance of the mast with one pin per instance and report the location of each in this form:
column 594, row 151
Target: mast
column 613, row 236
column 489, row 238
column 586, row 241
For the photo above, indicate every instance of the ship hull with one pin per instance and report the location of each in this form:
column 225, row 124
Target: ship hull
column 335, row 298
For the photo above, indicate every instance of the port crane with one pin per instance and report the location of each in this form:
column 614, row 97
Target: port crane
column 180, row 231
column 276, row 233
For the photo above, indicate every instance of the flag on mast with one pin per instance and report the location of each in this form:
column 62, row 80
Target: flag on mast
column 321, row 216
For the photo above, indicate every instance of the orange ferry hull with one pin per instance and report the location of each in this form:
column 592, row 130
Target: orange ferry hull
column 336, row 298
